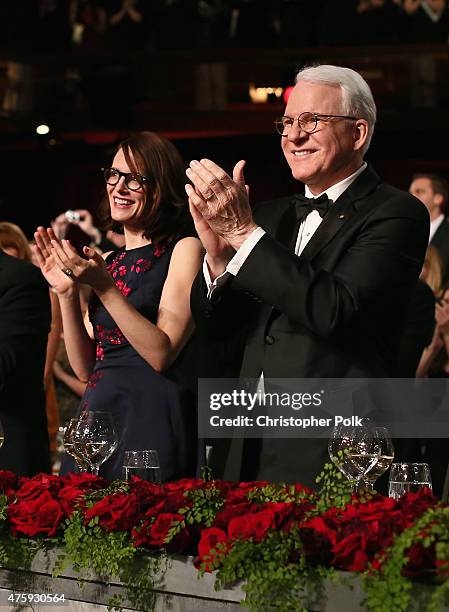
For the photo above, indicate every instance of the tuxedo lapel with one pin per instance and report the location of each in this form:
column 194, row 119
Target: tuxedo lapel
column 341, row 212
column 287, row 229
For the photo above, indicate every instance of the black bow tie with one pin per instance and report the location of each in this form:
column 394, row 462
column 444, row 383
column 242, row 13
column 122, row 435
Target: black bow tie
column 305, row 205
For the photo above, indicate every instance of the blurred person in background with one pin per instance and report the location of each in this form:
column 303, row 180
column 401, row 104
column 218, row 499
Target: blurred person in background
column 89, row 24
column 24, row 325
column 433, row 191
column 432, row 270
column 84, row 220
column 426, row 21
column 14, row 242
column 435, row 364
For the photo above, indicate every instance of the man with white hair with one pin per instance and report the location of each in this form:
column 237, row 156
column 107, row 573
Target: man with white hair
column 317, row 285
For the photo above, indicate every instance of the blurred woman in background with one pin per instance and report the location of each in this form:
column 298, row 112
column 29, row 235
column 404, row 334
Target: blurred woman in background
column 14, row 242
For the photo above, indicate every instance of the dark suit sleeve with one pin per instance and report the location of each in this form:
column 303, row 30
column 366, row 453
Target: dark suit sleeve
column 221, row 324
column 384, row 259
column 24, row 317
column 418, row 329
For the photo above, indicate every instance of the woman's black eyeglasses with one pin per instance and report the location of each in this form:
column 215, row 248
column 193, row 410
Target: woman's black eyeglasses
column 133, row 180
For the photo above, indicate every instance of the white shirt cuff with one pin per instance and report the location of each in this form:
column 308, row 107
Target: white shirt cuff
column 212, row 285
column 245, row 249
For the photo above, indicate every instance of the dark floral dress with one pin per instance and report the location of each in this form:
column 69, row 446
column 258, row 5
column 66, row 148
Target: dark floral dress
column 150, row 410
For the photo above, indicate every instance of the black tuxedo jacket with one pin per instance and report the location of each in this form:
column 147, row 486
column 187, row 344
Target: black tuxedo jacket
column 24, row 326
column 334, row 311
column 440, row 241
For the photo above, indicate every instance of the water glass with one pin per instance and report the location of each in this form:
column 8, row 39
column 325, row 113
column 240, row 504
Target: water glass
column 95, row 438
column 408, row 477
column 142, row 463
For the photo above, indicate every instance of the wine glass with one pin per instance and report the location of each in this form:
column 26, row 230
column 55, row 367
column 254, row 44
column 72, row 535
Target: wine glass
column 95, row 438
column 2, row 435
column 386, row 457
column 354, row 450
column 142, row 463
column 408, row 477
column 69, row 446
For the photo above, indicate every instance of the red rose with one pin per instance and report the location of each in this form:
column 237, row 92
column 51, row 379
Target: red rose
column 8, row 482
column 420, row 560
column 349, row 553
column 318, row 538
column 281, row 511
column 182, row 485
column 212, row 538
column 154, row 510
column 84, row 481
column 253, row 526
column 376, row 509
column 240, row 528
column 236, row 496
column 70, row 497
column 261, row 523
column 209, row 539
column 321, row 526
column 229, row 512
column 154, row 534
column 161, row 526
column 147, row 492
column 32, row 488
column 37, row 516
column 118, row 512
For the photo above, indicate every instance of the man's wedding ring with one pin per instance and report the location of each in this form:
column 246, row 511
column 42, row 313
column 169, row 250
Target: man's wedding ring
column 68, row 272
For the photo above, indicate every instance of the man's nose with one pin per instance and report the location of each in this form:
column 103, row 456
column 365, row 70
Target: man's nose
column 296, row 131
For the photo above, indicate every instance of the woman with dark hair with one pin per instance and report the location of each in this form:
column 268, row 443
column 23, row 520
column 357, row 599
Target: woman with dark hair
column 139, row 319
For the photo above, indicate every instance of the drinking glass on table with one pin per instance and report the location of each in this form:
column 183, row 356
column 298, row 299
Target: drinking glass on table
column 354, row 450
column 95, row 438
column 386, row 457
column 408, row 477
column 143, row 463
column 69, row 446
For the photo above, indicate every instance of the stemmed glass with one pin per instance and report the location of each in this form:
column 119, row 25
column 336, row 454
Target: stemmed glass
column 95, row 438
column 386, row 457
column 354, row 450
column 69, row 445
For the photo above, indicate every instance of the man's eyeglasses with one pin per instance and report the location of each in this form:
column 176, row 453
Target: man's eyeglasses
column 307, row 122
column 133, row 180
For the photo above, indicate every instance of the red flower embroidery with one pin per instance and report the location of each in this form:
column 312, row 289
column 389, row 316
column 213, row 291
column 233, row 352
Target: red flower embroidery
column 94, row 378
column 158, row 251
column 123, row 288
column 114, row 263
column 141, row 265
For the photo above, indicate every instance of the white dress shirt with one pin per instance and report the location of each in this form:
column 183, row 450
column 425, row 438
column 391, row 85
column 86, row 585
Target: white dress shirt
column 434, row 225
column 306, row 230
